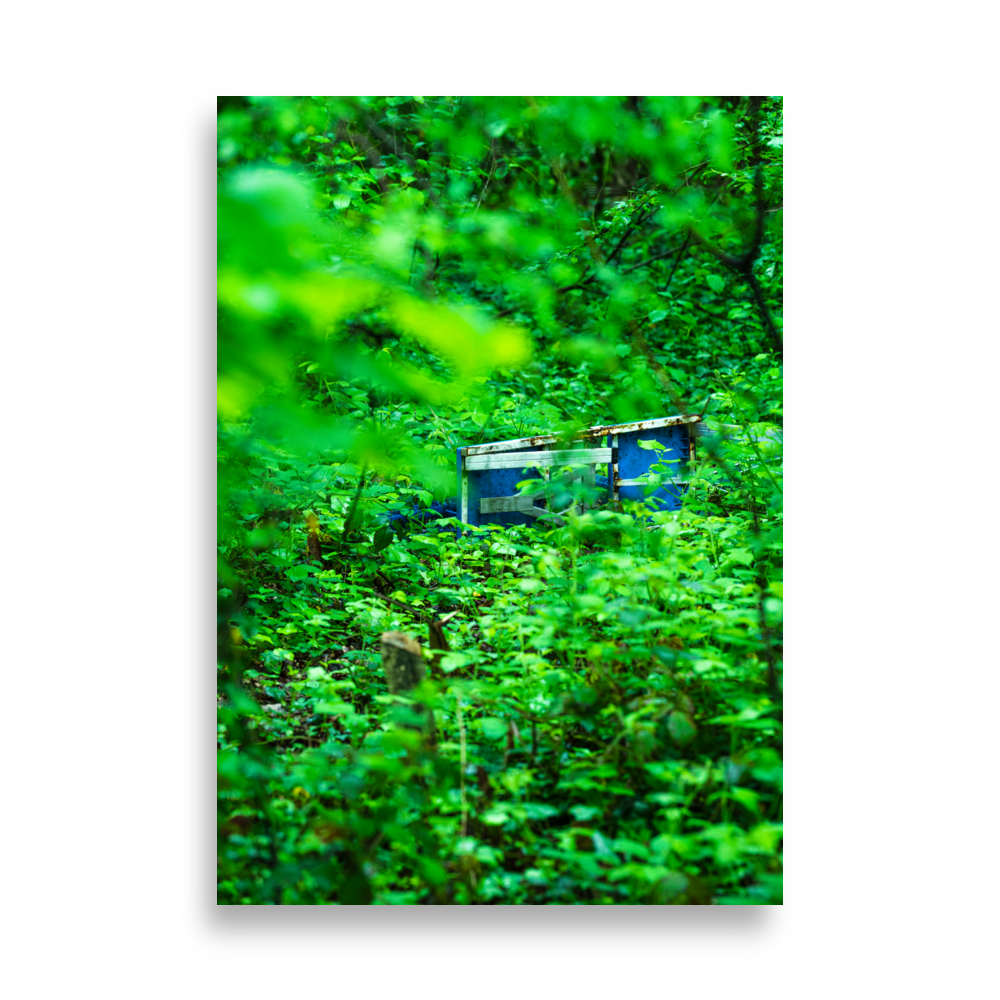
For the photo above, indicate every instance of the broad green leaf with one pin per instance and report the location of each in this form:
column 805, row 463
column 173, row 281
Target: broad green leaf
column 493, row 728
column 681, row 728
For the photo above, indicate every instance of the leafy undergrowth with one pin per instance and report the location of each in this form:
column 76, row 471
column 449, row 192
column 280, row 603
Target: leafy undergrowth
column 400, row 276
column 607, row 713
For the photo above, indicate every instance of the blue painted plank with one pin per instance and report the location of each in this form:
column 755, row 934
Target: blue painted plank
column 497, row 483
column 634, row 462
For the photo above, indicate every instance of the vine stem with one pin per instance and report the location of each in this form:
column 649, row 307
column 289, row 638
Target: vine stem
column 461, row 764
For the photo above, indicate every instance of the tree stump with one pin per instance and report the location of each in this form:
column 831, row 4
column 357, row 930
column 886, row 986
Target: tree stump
column 404, row 667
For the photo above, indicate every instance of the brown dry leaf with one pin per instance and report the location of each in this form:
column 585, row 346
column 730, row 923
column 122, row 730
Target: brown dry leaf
column 313, row 548
column 237, row 825
column 483, row 780
column 436, row 637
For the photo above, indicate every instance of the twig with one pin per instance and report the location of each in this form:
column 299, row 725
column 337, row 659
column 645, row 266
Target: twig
column 743, row 263
column 488, row 179
column 579, row 284
column 765, row 313
column 705, row 163
column 629, row 230
column 680, row 254
column 737, row 263
column 401, row 604
column 652, row 260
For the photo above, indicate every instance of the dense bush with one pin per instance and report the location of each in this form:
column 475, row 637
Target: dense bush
column 399, row 276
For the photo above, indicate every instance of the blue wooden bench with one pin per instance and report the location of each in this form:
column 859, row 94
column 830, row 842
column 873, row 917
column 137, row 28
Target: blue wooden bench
column 607, row 456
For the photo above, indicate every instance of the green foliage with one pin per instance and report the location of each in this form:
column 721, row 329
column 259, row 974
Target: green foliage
column 402, row 275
